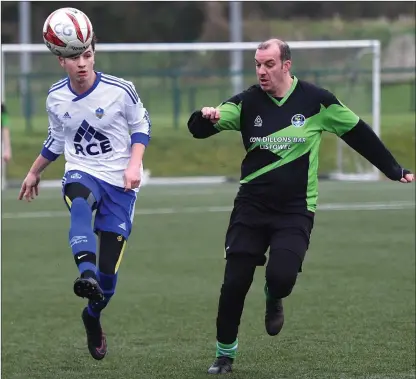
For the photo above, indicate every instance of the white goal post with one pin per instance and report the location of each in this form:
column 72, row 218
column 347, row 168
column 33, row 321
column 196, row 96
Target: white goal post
column 364, row 47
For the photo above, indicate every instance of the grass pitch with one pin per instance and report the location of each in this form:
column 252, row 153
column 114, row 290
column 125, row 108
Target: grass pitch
column 351, row 314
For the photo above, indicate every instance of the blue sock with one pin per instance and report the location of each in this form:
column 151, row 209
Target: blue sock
column 81, row 236
column 108, row 285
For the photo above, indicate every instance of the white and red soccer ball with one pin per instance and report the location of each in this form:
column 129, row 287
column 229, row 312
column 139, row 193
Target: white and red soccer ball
column 67, row 32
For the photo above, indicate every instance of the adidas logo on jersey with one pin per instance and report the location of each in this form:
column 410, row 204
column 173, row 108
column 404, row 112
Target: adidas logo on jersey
column 258, row 122
column 66, row 116
column 76, row 176
column 88, row 141
column 122, row 226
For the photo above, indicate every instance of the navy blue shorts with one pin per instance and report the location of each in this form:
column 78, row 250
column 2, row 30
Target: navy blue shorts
column 114, row 205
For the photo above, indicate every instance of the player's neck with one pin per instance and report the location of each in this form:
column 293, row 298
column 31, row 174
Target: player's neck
column 84, row 86
column 284, row 88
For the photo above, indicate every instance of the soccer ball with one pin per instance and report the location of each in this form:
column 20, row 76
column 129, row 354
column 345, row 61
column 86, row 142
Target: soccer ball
column 67, row 32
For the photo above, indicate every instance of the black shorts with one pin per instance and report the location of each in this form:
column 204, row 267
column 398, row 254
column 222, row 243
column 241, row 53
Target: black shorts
column 253, row 230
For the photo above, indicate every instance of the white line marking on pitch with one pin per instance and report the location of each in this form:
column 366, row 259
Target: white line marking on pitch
column 395, row 205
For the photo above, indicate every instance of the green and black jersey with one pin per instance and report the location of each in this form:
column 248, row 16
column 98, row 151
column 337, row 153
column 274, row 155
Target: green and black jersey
column 4, row 116
column 282, row 138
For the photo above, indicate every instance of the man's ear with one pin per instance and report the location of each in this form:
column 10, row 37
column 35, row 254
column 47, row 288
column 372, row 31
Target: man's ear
column 287, row 65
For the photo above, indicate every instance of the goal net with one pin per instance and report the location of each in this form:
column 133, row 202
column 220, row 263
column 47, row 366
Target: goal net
column 175, row 79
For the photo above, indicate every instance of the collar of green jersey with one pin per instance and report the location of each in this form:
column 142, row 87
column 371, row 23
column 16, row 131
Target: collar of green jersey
column 288, row 93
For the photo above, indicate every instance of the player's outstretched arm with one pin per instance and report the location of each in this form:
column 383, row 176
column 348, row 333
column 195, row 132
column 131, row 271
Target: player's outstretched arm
column 52, row 148
column 363, row 140
column 209, row 120
column 340, row 120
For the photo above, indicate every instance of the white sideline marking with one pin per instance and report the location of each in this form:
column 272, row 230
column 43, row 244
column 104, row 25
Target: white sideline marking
column 146, row 192
column 394, row 205
column 398, row 375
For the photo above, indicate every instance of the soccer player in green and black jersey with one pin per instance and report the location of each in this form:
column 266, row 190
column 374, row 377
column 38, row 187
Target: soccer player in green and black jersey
column 281, row 121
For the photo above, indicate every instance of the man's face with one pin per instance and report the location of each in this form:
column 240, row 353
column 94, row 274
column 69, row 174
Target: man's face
column 270, row 69
column 81, row 68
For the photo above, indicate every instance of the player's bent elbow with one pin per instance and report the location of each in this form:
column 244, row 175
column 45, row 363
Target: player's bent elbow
column 202, row 132
column 49, row 155
column 200, row 127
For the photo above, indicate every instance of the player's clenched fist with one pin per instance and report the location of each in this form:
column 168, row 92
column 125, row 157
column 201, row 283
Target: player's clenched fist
column 212, row 114
column 132, row 177
column 407, row 176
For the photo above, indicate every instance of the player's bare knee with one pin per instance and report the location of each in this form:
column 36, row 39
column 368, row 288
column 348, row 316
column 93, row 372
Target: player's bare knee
column 111, row 247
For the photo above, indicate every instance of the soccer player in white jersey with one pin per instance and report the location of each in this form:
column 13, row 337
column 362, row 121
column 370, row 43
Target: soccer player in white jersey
column 100, row 124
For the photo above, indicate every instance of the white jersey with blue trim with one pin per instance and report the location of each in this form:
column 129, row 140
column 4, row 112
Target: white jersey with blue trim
column 95, row 130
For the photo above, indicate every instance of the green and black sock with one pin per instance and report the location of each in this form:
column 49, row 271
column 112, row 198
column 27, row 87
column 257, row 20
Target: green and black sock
column 227, row 350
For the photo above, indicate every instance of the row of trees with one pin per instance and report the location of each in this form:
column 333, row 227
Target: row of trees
column 188, row 21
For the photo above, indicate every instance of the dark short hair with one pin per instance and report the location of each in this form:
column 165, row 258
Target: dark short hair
column 285, row 53
column 93, row 42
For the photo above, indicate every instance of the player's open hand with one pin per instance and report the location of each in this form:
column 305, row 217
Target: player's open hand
column 212, row 114
column 407, row 177
column 29, row 188
column 132, row 178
